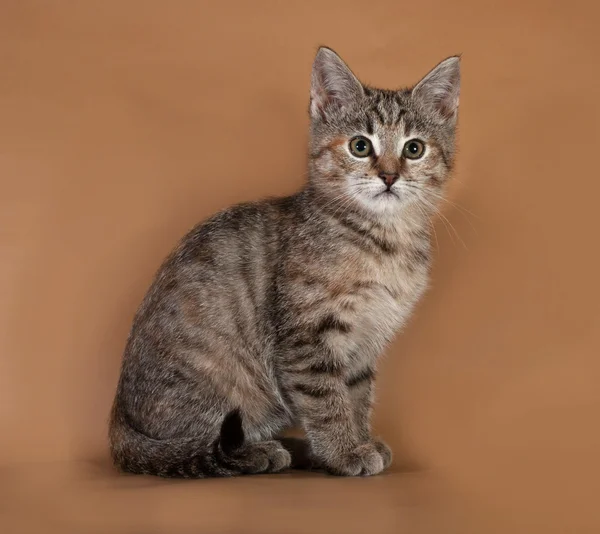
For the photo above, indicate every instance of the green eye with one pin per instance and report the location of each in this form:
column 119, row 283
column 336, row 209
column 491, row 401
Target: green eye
column 360, row 147
column 413, row 149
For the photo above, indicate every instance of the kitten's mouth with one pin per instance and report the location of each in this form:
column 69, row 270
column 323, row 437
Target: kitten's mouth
column 387, row 193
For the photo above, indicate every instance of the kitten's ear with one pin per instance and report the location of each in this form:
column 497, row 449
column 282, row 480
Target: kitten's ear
column 440, row 89
column 332, row 83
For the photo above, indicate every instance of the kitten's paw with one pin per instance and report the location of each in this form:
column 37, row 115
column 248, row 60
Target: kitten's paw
column 364, row 460
column 268, row 457
column 279, row 460
column 384, row 451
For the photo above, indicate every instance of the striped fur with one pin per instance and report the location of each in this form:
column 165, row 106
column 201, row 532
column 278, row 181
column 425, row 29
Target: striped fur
column 273, row 313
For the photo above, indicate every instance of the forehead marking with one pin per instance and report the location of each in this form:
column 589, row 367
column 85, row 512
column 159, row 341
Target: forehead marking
column 374, row 108
column 401, row 113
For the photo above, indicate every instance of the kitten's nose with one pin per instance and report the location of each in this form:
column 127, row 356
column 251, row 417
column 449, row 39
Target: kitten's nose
column 388, row 177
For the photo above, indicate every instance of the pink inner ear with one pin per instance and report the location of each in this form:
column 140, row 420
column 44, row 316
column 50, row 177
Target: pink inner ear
column 322, row 99
column 448, row 105
column 319, row 101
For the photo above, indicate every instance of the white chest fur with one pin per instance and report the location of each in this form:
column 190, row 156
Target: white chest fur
column 385, row 294
column 391, row 301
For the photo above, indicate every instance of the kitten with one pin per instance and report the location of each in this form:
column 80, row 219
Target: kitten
column 273, row 314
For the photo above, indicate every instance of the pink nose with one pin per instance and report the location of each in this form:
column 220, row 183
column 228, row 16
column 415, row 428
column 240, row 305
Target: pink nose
column 388, row 178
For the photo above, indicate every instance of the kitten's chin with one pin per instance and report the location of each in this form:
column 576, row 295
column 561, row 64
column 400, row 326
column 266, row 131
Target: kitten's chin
column 384, row 203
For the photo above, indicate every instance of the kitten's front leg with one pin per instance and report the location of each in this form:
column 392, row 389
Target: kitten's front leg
column 324, row 404
column 362, row 390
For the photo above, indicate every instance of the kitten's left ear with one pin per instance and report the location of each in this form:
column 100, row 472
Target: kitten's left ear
column 333, row 85
column 440, row 89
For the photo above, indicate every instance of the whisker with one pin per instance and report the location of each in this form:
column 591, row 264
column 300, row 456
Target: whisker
column 445, row 220
column 447, row 223
column 452, row 203
column 464, row 212
column 431, row 225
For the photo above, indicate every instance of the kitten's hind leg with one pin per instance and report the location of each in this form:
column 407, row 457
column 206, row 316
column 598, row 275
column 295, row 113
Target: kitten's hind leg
column 249, row 458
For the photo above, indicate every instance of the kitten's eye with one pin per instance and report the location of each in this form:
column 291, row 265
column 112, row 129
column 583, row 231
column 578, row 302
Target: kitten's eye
column 360, row 147
column 413, row 149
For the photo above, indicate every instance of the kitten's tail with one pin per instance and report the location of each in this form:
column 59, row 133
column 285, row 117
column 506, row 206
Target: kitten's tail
column 135, row 452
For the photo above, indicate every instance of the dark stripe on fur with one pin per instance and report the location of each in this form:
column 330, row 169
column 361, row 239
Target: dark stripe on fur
column 419, row 255
column 325, row 367
column 401, row 114
column 380, row 116
column 314, row 391
column 365, row 375
column 320, row 152
column 331, row 322
column 326, row 419
column 382, row 245
column 369, row 122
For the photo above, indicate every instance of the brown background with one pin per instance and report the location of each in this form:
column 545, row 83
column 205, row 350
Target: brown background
column 123, row 123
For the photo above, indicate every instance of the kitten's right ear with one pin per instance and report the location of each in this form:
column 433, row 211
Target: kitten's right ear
column 333, row 85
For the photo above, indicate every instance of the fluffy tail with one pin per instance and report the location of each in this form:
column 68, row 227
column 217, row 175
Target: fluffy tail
column 134, row 452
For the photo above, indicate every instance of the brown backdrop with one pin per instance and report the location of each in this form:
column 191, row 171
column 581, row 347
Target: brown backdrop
column 123, row 123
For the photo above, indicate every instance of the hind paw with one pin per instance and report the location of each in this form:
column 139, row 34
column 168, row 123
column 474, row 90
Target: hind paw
column 267, row 457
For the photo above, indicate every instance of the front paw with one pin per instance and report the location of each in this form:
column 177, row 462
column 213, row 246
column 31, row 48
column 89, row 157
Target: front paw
column 384, row 451
column 364, row 460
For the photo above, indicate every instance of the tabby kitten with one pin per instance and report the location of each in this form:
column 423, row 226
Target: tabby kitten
column 273, row 314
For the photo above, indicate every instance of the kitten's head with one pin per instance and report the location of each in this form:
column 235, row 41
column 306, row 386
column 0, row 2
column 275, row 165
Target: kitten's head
column 380, row 150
